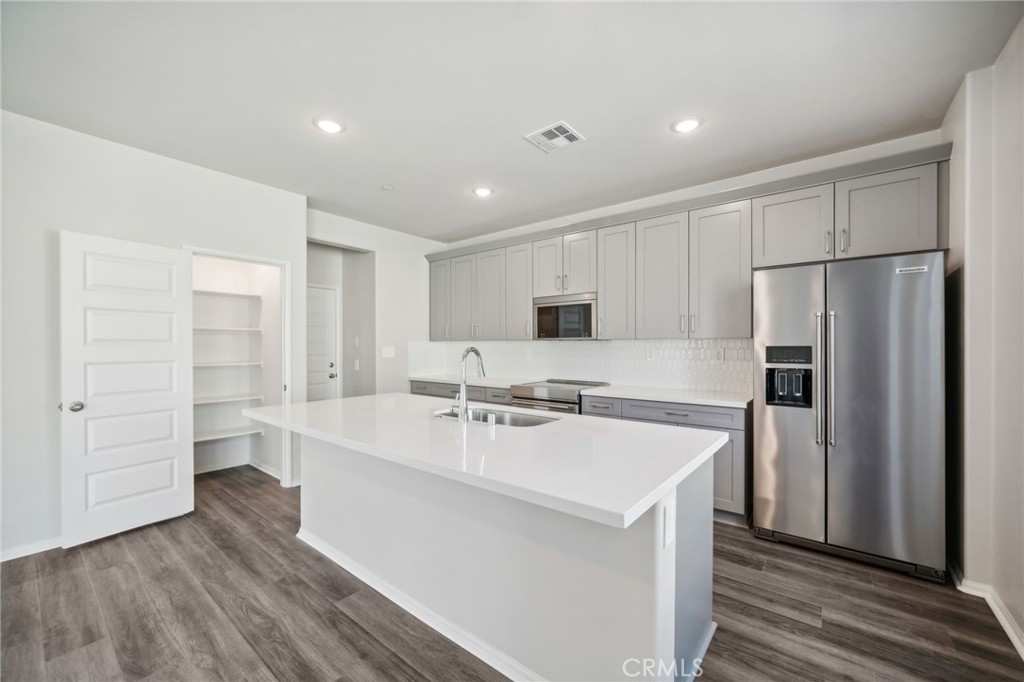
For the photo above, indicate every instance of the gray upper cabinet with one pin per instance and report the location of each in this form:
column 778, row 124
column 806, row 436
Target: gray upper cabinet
column 478, row 296
column 616, row 282
column 579, row 262
column 662, row 272
column 519, row 292
column 463, row 279
column 720, row 278
column 547, row 267
column 565, row 265
column 440, row 300
column 794, row 227
column 887, row 213
column 490, row 295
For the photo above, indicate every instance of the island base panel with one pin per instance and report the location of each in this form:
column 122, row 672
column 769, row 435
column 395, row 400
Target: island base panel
column 536, row 593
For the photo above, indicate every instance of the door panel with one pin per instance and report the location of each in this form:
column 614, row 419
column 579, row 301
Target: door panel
column 886, row 469
column 662, row 268
column 322, row 356
column 789, row 465
column 720, row 294
column 126, row 356
column 440, row 300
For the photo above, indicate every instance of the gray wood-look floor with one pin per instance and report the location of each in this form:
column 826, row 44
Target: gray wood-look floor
column 228, row 593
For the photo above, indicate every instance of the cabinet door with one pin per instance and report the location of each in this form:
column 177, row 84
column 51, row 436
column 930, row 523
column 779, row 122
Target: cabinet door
column 888, row 213
column 794, row 227
column 490, row 295
column 720, row 282
column 519, row 292
column 661, row 277
column 579, row 262
column 463, row 278
column 616, row 282
column 731, row 475
column 440, row 300
column 547, row 267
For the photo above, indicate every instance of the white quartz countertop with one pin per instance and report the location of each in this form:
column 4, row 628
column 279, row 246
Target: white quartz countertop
column 605, row 470
column 672, row 395
column 473, row 380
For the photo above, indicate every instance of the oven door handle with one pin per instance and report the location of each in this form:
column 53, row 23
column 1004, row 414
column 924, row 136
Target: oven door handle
column 567, row 408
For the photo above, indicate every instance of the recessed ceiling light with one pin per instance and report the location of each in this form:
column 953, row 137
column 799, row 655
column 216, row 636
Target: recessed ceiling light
column 328, row 125
column 688, row 124
column 387, row 188
column 483, row 192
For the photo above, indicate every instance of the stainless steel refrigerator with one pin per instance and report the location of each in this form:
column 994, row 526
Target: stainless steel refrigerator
column 849, row 409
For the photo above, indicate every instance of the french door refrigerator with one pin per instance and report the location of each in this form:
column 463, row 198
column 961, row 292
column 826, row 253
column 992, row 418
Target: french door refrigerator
column 849, row 402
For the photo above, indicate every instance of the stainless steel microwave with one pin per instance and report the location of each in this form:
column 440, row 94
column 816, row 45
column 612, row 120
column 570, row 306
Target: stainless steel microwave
column 565, row 317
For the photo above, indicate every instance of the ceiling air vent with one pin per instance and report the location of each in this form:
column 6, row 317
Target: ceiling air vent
column 554, row 137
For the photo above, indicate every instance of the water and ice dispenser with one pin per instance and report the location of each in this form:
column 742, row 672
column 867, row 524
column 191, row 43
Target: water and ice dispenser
column 790, row 385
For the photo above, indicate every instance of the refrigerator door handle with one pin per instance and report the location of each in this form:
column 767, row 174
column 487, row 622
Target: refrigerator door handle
column 819, row 416
column 831, row 377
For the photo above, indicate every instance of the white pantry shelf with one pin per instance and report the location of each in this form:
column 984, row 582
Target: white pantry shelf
column 221, row 434
column 207, row 292
column 213, row 400
column 202, row 365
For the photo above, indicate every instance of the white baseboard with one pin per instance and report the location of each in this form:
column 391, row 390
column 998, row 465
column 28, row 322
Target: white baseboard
column 1010, row 626
column 267, row 469
column 485, row 652
column 32, row 548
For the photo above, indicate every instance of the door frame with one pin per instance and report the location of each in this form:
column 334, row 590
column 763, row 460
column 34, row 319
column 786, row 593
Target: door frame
column 339, row 352
column 286, row 340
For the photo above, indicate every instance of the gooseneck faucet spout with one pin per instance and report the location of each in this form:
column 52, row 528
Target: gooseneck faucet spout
column 463, row 410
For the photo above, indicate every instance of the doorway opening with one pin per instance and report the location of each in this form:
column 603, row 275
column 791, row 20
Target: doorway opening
column 239, row 361
column 341, row 337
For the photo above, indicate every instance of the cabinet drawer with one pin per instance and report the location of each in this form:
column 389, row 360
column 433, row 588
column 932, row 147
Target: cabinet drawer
column 498, row 395
column 602, row 407
column 689, row 415
column 420, row 387
column 452, row 390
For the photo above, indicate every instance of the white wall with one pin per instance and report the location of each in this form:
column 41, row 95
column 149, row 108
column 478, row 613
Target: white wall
column 986, row 125
column 402, row 295
column 57, row 179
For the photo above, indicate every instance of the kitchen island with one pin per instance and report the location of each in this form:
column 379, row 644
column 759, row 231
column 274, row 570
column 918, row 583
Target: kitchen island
column 578, row 549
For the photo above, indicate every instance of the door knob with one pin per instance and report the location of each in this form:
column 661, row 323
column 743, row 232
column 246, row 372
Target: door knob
column 332, row 375
column 330, row 364
column 76, row 406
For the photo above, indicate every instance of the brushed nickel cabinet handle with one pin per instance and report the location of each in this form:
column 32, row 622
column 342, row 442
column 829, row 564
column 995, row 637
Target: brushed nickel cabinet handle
column 677, row 414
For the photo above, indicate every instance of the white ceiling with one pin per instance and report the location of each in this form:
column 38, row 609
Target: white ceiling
column 437, row 97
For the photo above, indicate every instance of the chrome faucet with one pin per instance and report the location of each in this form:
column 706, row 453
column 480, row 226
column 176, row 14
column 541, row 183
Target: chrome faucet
column 463, row 410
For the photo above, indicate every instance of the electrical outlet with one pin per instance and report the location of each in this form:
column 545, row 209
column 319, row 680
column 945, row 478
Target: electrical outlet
column 720, row 355
column 355, row 364
column 650, row 353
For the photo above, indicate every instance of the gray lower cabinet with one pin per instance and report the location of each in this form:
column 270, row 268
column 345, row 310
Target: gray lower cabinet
column 732, row 462
column 476, row 393
column 895, row 212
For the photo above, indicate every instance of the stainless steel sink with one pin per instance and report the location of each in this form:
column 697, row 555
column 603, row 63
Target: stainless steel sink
column 500, row 417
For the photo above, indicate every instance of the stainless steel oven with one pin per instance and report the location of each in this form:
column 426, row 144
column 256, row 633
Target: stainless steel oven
column 565, row 317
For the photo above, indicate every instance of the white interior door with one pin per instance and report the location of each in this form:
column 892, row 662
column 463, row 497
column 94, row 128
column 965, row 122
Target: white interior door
column 126, row 385
column 322, row 343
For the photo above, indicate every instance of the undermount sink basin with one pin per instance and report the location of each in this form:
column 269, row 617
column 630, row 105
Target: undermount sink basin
column 500, row 417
